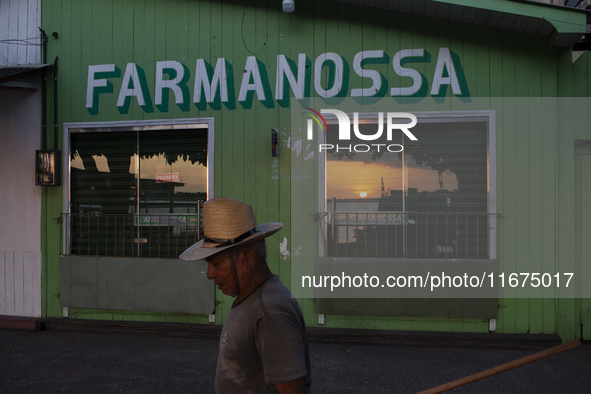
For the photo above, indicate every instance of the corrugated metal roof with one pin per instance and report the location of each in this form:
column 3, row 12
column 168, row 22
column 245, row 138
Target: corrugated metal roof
column 563, row 26
column 11, row 73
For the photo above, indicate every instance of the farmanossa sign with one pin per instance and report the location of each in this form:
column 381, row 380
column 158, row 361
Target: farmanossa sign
column 217, row 85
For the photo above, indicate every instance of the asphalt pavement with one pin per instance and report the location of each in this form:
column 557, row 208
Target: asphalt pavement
column 66, row 362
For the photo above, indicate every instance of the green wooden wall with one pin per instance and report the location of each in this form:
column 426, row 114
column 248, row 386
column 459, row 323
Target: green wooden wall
column 535, row 182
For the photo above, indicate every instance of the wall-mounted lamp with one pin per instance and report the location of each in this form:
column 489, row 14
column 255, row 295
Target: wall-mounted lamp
column 288, row 6
column 47, row 167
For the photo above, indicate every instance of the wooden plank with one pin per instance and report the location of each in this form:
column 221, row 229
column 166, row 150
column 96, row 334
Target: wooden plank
column 502, row 368
column 9, row 276
column 160, row 41
column 522, row 174
column 182, row 54
column 508, row 316
column 2, row 283
column 45, row 257
column 407, row 324
column 534, row 81
column 279, row 180
column 262, row 129
column 19, row 281
column 235, row 134
column 580, row 105
column 4, row 23
column 584, row 232
column 35, row 258
column 483, row 64
column 245, row 184
column 496, row 70
column 394, row 32
column 549, row 122
column 22, row 31
column 283, row 45
column 368, row 42
column 123, row 42
column 53, row 241
column 84, row 47
column 13, row 31
column 137, row 53
column 74, row 65
column 355, row 46
column 230, row 132
column 304, row 197
column 65, row 64
column 463, row 58
column 565, row 258
column 231, row 151
column 272, row 117
column 169, row 107
column 579, row 212
column 33, row 22
column 53, row 17
column 381, row 41
column 149, row 57
column 493, row 83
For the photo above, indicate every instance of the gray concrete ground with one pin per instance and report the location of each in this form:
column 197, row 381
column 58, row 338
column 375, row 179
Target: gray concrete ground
column 59, row 362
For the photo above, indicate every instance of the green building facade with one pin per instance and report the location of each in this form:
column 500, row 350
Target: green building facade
column 163, row 90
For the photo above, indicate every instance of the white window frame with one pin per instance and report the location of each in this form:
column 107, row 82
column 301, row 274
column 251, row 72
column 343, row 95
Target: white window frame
column 487, row 117
column 134, row 125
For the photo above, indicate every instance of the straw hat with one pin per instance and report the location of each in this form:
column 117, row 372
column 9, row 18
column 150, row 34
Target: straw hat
column 226, row 223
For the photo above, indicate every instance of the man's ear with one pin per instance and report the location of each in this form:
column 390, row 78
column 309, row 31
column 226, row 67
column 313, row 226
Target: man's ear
column 247, row 253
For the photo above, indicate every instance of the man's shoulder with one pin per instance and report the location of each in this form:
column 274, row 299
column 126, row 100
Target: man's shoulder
column 276, row 298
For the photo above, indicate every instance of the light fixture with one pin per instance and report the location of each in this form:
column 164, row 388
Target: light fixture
column 288, row 6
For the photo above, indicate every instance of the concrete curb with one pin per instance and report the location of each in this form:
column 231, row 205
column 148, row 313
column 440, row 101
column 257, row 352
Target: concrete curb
column 316, row 334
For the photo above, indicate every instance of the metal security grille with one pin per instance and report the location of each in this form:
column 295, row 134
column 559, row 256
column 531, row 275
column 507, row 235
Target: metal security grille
column 130, row 235
column 135, row 191
column 421, row 235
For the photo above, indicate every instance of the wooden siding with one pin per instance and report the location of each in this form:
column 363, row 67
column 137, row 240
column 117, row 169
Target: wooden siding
column 19, row 20
column 20, row 283
column 20, row 204
column 582, row 131
column 532, row 176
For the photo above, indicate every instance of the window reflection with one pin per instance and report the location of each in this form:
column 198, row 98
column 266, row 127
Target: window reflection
column 136, row 192
column 428, row 201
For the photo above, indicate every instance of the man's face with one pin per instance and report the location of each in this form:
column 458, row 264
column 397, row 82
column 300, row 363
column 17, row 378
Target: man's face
column 219, row 268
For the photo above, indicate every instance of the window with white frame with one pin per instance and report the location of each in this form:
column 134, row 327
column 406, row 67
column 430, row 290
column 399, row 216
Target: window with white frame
column 427, row 199
column 136, row 188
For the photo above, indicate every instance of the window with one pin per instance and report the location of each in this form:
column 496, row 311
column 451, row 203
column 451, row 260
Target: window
column 136, row 188
column 429, row 200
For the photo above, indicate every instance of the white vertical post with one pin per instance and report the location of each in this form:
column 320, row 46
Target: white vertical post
column 321, row 318
column 492, row 325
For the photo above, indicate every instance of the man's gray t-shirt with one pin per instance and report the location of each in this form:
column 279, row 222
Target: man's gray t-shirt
column 264, row 342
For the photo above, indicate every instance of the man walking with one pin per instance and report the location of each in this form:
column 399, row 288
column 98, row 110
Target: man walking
column 264, row 343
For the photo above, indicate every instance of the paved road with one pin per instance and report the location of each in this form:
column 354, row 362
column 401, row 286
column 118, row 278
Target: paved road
column 59, row 362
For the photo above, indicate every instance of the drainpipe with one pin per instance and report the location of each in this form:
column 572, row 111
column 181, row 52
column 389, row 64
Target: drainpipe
column 55, row 136
column 43, row 91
